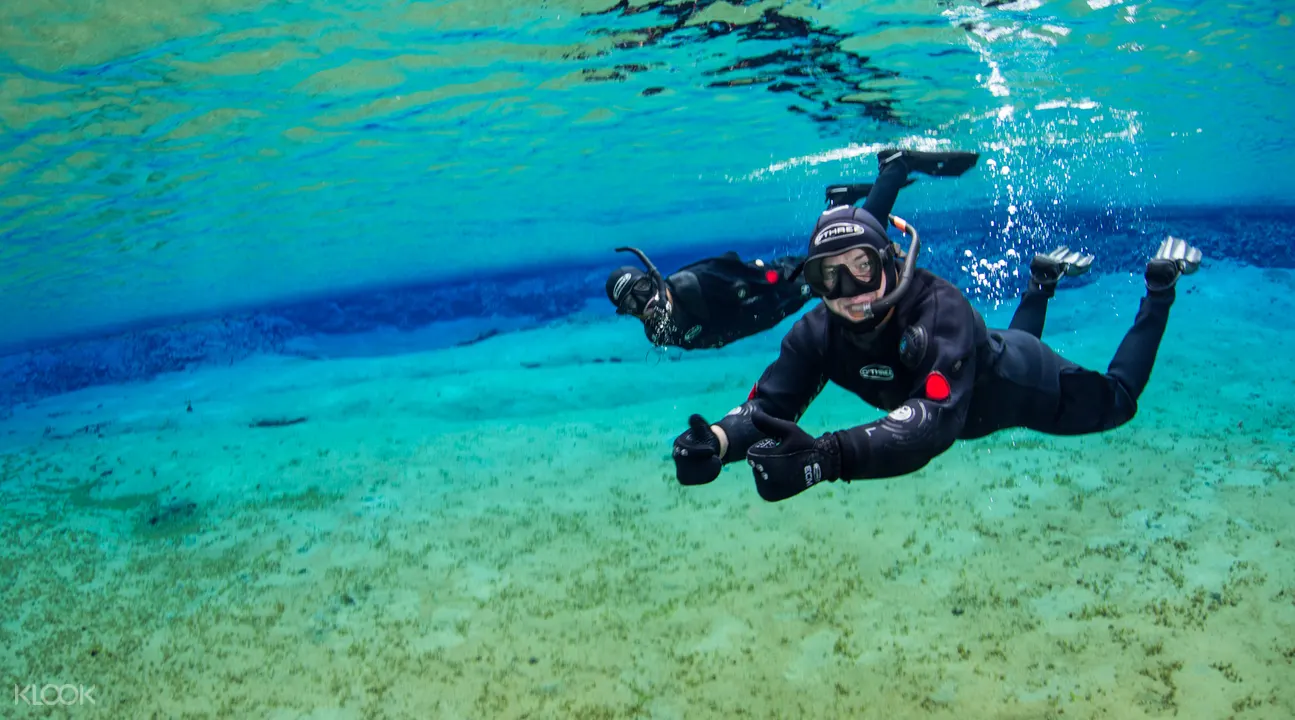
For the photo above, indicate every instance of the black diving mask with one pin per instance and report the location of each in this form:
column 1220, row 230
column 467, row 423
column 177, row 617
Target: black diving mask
column 639, row 297
column 860, row 274
column 648, row 294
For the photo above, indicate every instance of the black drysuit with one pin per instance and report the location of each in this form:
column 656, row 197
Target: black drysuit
column 722, row 299
column 943, row 376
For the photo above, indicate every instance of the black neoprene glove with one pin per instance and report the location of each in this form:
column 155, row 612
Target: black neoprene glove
column 789, row 460
column 696, row 454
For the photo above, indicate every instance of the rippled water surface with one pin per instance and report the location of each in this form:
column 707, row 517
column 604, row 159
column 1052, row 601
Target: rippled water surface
column 178, row 157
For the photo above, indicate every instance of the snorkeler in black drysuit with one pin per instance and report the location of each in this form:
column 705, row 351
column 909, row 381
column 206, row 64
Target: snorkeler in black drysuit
column 713, row 302
column 910, row 343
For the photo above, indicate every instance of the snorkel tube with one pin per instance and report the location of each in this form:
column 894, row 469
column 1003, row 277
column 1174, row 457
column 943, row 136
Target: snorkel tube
column 653, row 273
column 883, row 305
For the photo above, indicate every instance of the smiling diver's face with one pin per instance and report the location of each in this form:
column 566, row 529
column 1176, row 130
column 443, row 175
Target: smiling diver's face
column 860, row 265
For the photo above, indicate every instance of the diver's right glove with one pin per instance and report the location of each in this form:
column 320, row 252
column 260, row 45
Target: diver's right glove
column 789, row 460
column 696, row 454
column 1175, row 257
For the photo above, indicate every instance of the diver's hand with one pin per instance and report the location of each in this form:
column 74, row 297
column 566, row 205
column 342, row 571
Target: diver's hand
column 697, row 454
column 789, row 460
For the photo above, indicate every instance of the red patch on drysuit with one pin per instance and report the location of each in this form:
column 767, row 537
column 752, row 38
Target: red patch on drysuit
column 937, row 387
column 752, row 395
column 771, row 276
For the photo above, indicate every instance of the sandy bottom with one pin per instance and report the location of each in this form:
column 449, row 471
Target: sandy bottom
column 494, row 531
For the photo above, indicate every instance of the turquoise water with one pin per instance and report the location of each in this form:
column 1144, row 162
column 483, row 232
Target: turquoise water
column 311, row 403
column 223, row 154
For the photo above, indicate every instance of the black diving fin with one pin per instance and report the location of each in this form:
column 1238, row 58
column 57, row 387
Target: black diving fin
column 937, row 164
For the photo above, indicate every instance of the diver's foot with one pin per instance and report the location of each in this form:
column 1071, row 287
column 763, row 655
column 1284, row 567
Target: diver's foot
column 938, row 164
column 1174, row 257
column 1047, row 268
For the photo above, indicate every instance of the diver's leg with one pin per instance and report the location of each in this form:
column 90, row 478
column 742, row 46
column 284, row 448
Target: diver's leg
column 1032, row 311
column 1045, row 271
column 885, row 191
column 1137, row 353
column 1092, row 402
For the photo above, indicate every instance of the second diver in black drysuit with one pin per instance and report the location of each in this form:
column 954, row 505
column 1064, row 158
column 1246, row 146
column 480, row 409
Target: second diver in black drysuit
column 908, row 342
column 715, row 301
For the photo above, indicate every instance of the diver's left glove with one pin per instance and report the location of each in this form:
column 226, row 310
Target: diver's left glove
column 696, row 454
column 789, row 461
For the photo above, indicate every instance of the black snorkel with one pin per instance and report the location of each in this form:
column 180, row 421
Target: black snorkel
column 664, row 298
column 884, row 304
